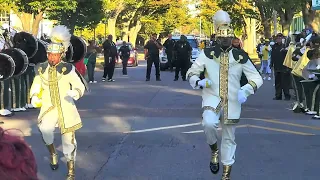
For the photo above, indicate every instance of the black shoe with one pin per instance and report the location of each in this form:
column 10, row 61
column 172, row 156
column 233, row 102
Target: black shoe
column 287, row 98
column 277, row 98
column 175, row 79
column 158, row 79
column 184, row 79
column 147, row 79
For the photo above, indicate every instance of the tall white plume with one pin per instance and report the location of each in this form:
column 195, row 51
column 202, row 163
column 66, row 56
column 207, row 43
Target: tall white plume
column 221, row 17
column 61, row 34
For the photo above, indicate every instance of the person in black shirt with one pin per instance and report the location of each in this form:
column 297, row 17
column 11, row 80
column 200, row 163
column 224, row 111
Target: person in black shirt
column 124, row 52
column 281, row 72
column 168, row 44
column 151, row 54
column 183, row 51
column 110, row 56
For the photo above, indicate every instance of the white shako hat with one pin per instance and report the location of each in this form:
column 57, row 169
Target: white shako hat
column 60, row 39
column 222, row 21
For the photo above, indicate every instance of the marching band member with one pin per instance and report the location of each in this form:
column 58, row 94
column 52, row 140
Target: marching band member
column 222, row 94
column 311, row 84
column 299, row 58
column 55, row 87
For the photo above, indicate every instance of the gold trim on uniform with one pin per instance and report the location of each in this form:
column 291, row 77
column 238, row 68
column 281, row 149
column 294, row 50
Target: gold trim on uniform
column 215, row 110
column 253, row 84
column 224, row 68
column 79, row 91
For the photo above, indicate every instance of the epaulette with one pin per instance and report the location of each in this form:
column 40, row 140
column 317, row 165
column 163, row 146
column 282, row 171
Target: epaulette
column 64, row 68
column 41, row 67
column 240, row 55
column 212, row 51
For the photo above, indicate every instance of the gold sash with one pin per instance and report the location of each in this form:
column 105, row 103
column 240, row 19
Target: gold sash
column 301, row 64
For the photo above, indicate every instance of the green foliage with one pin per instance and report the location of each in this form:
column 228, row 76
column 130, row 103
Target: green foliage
column 150, row 25
column 37, row 6
column 87, row 14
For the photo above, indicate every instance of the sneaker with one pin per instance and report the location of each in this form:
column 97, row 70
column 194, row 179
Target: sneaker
column 147, row 79
column 264, row 78
column 103, row 79
column 94, row 81
column 90, row 82
column 269, row 78
column 111, row 80
column 124, row 74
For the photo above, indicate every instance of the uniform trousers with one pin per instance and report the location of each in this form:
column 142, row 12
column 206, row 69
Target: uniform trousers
column 298, row 89
column 282, row 84
column 47, row 127
column 210, row 124
column 310, row 88
column 153, row 59
column 109, row 65
column 182, row 65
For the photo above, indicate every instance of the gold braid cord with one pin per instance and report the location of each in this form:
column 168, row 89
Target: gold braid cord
column 224, row 68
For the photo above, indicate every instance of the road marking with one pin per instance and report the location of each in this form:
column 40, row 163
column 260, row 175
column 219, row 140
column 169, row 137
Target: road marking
column 219, row 129
column 163, row 128
column 282, row 130
column 285, row 123
column 260, row 127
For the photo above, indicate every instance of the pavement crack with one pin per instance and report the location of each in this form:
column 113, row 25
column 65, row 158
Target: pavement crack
column 113, row 154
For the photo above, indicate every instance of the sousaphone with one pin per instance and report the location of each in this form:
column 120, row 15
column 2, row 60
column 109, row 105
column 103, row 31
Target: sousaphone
column 76, row 50
column 20, row 59
column 41, row 54
column 26, row 42
column 7, row 67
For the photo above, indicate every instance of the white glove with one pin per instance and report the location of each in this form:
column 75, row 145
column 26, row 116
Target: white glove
column 72, row 93
column 318, row 67
column 206, row 83
column 36, row 102
column 242, row 96
column 311, row 76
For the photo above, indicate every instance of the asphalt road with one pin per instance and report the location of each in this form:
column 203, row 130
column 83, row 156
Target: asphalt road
column 137, row 130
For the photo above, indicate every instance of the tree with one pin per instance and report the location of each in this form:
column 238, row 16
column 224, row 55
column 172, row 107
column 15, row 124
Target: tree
column 311, row 18
column 31, row 12
column 87, row 14
column 266, row 13
column 286, row 9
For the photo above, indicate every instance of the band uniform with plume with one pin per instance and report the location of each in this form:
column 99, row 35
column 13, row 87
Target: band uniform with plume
column 60, row 37
column 222, row 21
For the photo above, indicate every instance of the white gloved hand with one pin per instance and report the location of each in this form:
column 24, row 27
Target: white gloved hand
column 36, row 102
column 311, row 76
column 242, row 96
column 72, row 93
column 206, row 83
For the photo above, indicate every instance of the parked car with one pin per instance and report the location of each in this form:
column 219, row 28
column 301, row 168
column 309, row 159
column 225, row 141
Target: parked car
column 195, row 52
column 133, row 60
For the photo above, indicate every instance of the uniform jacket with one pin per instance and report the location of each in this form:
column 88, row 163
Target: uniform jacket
column 211, row 60
column 54, row 83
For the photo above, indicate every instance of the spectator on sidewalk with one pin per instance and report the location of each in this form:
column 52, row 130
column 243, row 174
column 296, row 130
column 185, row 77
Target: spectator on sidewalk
column 92, row 58
column 265, row 60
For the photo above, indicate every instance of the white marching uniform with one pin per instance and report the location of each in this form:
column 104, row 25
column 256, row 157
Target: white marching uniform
column 58, row 107
column 215, row 106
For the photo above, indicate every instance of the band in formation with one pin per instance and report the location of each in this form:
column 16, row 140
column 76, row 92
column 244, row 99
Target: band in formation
column 40, row 74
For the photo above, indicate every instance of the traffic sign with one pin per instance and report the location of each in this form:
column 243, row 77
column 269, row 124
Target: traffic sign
column 315, row 4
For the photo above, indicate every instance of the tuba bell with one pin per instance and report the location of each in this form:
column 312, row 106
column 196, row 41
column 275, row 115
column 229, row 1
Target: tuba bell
column 7, row 67
column 76, row 50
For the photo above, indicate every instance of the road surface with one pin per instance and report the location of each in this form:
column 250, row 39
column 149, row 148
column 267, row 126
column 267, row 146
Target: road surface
column 137, row 130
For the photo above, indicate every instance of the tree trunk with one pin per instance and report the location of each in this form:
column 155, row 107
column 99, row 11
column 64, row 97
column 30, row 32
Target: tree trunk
column 112, row 26
column 125, row 31
column 26, row 21
column 134, row 32
column 36, row 22
column 266, row 29
column 311, row 18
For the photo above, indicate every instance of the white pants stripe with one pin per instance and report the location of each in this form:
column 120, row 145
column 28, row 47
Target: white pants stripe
column 228, row 145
